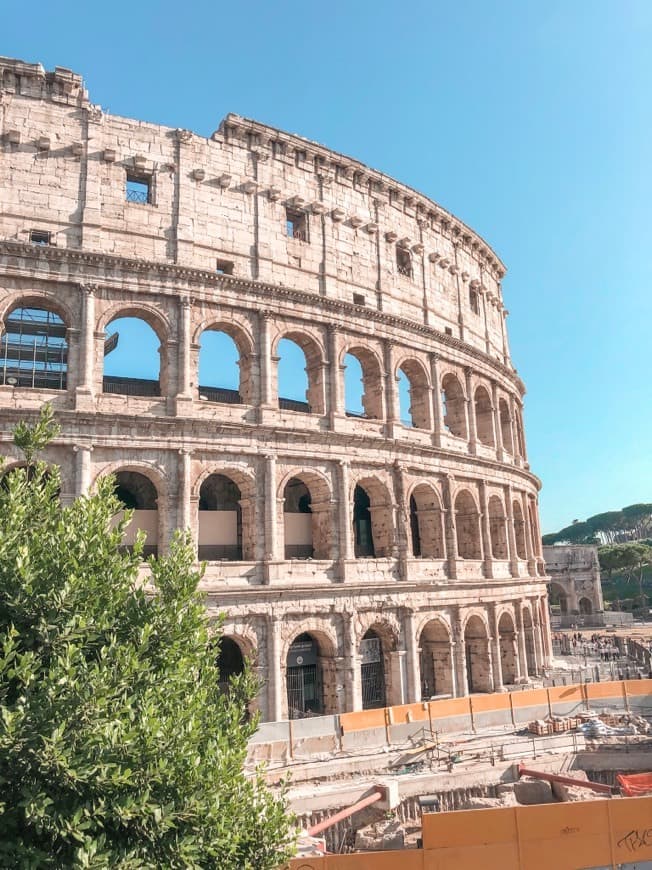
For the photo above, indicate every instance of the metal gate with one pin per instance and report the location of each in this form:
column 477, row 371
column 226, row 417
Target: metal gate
column 373, row 677
column 303, row 691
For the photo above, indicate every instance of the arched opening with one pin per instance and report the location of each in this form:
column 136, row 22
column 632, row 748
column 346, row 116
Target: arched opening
column 476, row 650
column 557, row 597
column 33, row 349
column 30, row 471
column 372, row 520
column 467, row 522
column 300, row 374
column 224, row 368
column 132, row 359
column 297, row 517
column 454, row 406
column 363, row 392
column 497, row 528
column 519, row 531
column 505, row 425
column 311, row 678
column 484, row 417
column 508, row 649
column 220, row 520
column 530, row 652
column 372, row 667
column 426, row 523
column 362, row 526
column 229, row 661
column 137, row 493
column 436, row 660
column 414, row 395
column 585, row 605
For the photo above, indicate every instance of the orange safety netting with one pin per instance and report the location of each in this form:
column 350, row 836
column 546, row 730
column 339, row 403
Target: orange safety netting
column 635, row 784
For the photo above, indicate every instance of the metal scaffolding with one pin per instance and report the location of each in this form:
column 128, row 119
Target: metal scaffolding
column 34, row 350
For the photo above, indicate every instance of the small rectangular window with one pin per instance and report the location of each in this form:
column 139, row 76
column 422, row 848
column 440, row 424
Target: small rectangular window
column 448, row 330
column 404, row 262
column 224, row 267
column 296, row 225
column 299, row 157
column 40, row 237
column 138, row 189
column 358, row 299
column 474, row 302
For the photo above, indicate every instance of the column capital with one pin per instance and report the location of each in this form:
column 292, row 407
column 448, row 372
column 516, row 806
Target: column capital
column 89, row 289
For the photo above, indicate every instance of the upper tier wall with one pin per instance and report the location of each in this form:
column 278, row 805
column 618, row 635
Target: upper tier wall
column 363, row 238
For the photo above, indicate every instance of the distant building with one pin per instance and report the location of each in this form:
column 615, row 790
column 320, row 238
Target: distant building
column 574, row 585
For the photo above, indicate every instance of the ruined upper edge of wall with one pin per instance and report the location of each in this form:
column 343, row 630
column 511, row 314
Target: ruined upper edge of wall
column 63, row 86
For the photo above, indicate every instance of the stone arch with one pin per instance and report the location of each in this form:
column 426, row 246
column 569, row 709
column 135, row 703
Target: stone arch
column 505, row 425
column 519, row 530
column 373, row 407
column 419, row 393
column 230, row 659
column 484, row 416
column 34, row 350
column 467, row 523
column 159, row 323
column 310, row 673
column 308, row 521
column 498, row 528
column 225, row 517
column 507, row 643
column 436, row 659
column 138, row 492
column 373, row 527
column 426, row 523
column 453, row 401
column 313, row 351
column 585, row 606
column 477, row 655
column 244, row 344
column 378, row 647
column 557, row 595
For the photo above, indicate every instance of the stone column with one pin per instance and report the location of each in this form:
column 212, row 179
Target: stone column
column 352, row 665
column 265, row 363
column 82, row 468
column 274, row 670
column 516, row 446
column 462, row 682
column 271, row 514
column 486, row 530
column 503, row 326
column 184, row 519
column 451, row 529
column 511, row 533
column 345, row 517
column 437, row 417
column 84, row 392
column 521, row 643
column 336, row 376
column 411, row 648
column 496, row 657
column 529, row 542
column 400, row 520
column 184, row 388
column 538, row 642
column 470, row 412
column 545, row 630
column 391, row 389
column 498, row 429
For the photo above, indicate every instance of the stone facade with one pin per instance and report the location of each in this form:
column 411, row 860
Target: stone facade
column 575, row 582
column 414, row 567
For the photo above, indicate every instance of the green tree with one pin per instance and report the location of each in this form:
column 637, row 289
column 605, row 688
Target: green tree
column 629, row 559
column 117, row 747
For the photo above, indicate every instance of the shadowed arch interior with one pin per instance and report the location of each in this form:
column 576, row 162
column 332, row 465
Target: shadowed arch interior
column 363, row 391
column 467, row 523
column 136, row 492
column 436, row 661
column 453, row 406
column 220, row 520
column 426, row 523
column 478, row 661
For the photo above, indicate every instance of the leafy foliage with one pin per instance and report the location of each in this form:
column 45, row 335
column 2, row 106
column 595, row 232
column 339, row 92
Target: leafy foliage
column 628, row 560
column 632, row 523
column 117, row 747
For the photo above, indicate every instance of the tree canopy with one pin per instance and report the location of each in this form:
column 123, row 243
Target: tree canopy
column 631, row 523
column 117, row 746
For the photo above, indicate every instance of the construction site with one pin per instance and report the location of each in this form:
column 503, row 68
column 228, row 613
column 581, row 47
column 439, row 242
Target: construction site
column 560, row 772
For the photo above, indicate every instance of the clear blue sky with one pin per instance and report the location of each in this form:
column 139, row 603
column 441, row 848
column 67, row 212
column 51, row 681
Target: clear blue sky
column 530, row 121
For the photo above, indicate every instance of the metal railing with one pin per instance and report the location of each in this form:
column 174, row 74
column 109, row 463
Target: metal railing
column 294, row 405
column 130, row 386
column 220, row 394
column 139, row 196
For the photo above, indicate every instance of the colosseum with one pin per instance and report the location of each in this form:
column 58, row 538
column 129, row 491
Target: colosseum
column 365, row 550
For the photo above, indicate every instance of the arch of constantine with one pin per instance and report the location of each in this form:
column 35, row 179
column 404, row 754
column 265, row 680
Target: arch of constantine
column 364, row 553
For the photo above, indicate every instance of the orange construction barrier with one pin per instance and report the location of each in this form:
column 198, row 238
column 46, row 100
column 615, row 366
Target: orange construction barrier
column 635, row 784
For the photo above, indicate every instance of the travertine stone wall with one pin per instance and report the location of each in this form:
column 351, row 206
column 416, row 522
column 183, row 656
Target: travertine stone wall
column 454, row 591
